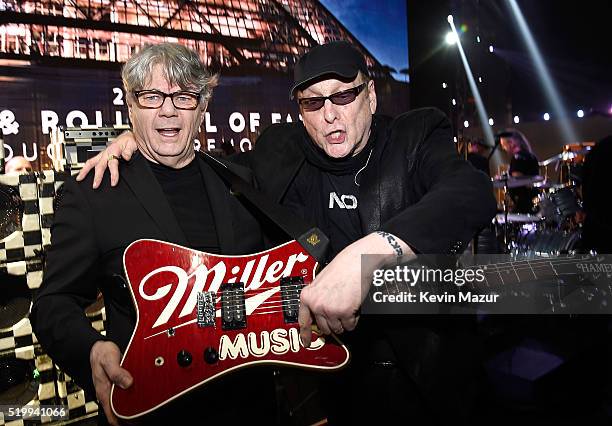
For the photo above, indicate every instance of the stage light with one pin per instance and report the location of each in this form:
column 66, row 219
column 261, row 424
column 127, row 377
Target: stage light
column 454, row 101
column 449, row 18
column 451, row 38
column 480, row 108
column 444, row 86
column 466, row 124
column 477, row 39
column 491, row 122
column 580, row 113
column 546, row 116
column 491, row 48
column 553, row 96
column 480, row 79
column 455, row 139
column 517, row 120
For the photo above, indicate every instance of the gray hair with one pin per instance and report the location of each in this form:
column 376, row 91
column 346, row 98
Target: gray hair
column 181, row 65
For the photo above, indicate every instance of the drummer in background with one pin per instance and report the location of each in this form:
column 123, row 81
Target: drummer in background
column 523, row 163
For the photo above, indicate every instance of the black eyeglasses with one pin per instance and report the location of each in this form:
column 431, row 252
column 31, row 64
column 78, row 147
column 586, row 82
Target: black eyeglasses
column 344, row 97
column 153, row 99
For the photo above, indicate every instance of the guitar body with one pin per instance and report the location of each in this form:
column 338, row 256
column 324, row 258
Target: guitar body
column 201, row 315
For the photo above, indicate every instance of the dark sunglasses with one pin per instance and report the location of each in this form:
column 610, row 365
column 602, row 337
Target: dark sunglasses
column 344, row 97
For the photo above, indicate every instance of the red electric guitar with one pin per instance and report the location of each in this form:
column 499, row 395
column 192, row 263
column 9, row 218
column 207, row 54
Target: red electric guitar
column 202, row 315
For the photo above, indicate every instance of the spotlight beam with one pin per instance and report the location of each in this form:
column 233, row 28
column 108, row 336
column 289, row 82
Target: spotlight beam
column 544, row 75
column 482, row 112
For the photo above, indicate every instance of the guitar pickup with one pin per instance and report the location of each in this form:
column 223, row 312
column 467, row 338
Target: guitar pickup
column 206, row 309
column 290, row 288
column 233, row 308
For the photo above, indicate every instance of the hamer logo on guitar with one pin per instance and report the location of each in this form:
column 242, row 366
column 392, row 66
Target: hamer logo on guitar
column 201, row 315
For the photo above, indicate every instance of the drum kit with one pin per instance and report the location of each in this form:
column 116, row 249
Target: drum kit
column 554, row 227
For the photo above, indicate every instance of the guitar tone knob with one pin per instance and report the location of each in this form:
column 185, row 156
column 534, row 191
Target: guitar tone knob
column 184, row 358
column 211, row 356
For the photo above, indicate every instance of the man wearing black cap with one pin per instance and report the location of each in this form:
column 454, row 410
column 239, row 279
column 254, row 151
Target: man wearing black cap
column 374, row 185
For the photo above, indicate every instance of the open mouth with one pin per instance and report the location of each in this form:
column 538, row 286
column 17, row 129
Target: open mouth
column 169, row 132
column 337, row 136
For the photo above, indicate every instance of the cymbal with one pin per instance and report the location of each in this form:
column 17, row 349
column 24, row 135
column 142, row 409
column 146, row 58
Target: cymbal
column 565, row 156
column 553, row 159
column 11, row 211
column 517, row 218
column 15, row 300
column 516, row 182
column 547, row 184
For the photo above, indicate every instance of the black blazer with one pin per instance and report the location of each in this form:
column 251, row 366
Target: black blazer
column 90, row 232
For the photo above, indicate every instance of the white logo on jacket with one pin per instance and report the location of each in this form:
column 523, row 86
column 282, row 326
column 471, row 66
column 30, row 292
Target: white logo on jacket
column 348, row 202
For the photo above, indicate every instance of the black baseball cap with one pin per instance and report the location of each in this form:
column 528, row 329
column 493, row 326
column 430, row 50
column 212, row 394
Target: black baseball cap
column 338, row 58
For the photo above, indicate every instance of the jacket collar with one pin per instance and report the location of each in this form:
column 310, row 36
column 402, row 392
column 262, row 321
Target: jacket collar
column 219, row 196
column 141, row 180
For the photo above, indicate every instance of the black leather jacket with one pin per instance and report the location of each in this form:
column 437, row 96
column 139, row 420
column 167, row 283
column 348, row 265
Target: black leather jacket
column 416, row 186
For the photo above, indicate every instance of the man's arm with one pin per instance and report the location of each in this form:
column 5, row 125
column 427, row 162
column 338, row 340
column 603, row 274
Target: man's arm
column 458, row 203
column 458, row 200
column 69, row 285
column 122, row 147
column 333, row 299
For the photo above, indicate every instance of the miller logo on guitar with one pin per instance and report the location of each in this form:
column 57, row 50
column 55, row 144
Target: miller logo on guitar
column 202, row 315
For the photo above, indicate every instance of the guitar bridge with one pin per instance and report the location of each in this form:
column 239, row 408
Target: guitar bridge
column 206, row 309
column 233, row 308
column 290, row 288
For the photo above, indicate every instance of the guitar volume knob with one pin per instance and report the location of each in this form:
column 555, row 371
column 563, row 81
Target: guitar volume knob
column 211, row 356
column 184, row 358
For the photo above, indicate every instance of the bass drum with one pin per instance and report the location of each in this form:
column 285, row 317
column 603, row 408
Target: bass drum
column 546, row 243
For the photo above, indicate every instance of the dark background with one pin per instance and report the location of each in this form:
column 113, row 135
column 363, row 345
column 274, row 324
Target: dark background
column 573, row 39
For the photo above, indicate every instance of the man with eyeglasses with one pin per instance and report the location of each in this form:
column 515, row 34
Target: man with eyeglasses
column 374, row 185
column 167, row 193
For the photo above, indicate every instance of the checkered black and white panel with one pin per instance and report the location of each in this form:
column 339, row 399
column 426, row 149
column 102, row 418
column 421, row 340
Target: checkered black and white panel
column 21, row 254
column 32, row 384
column 80, row 144
column 55, row 388
column 31, row 268
column 27, row 243
column 98, row 320
column 21, row 251
column 19, row 340
column 49, row 188
column 72, row 396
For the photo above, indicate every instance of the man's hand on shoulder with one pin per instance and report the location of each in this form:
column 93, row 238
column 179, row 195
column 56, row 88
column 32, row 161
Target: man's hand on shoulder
column 104, row 358
column 333, row 299
column 122, row 147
